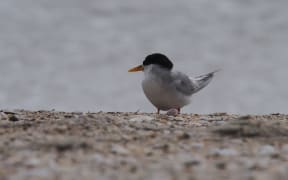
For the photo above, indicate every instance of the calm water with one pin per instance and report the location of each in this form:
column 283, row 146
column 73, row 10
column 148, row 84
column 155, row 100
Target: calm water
column 74, row 54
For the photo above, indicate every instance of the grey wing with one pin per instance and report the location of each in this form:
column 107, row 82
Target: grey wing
column 202, row 81
column 183, row 83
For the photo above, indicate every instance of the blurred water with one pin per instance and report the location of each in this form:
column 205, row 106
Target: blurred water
column 74, row 54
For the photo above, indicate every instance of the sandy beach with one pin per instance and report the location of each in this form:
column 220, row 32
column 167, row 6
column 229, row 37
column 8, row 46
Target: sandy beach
column 111, row 145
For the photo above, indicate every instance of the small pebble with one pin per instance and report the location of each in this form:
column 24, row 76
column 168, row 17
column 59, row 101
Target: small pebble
column 119, row 150
column 32, row 162
column 192, row 162
column 197, row 145
column 140, row 118
column 267, row 150
column 179, row 119
column 223, row 152
column 253, row 163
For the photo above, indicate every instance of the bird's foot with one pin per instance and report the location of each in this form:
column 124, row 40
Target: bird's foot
column 158, row 111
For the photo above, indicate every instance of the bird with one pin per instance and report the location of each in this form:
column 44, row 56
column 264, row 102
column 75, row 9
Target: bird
column 167, row 89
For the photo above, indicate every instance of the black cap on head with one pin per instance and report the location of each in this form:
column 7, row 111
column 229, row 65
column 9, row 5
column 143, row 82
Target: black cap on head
column 159, row 59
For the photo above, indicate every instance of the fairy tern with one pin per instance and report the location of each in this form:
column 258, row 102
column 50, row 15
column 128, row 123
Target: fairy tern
column 167, row 89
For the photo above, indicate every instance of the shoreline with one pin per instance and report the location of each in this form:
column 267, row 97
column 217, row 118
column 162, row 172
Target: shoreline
column 119, row 145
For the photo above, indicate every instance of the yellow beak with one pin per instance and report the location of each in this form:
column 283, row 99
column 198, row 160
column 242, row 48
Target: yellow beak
column 138, row 68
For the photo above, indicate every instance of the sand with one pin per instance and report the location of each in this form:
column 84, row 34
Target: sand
column 112, row 145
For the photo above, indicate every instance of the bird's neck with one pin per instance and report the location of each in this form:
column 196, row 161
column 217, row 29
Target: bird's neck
column 157, row 71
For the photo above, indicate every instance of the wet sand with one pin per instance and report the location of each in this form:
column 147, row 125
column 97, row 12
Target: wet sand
column 76, row 145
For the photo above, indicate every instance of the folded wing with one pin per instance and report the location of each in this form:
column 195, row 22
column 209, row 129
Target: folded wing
column 190, row 85
column 202, row 81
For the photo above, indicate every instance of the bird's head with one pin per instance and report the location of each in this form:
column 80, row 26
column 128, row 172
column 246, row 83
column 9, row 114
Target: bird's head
column 154, row 59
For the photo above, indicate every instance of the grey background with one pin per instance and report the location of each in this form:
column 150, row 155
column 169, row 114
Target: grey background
column 74, row 54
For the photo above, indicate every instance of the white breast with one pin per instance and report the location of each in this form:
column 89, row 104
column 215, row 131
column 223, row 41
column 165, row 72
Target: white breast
column 161, row 94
